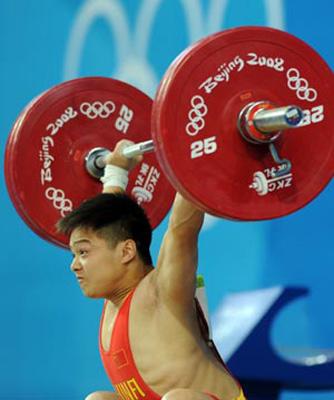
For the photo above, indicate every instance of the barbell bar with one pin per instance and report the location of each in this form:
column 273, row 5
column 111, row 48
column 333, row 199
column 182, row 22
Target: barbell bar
column 267, row 121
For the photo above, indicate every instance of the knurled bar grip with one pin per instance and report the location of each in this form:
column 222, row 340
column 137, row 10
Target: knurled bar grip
column 129, row 152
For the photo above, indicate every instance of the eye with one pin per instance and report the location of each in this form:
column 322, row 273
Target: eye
column 83, row 252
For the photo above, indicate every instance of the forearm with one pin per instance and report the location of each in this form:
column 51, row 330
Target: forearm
column 185, row 215
column 117, row 169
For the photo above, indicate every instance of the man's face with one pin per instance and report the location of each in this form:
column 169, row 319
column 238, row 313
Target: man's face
column 96, row 265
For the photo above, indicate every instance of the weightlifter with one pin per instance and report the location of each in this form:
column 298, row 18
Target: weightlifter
column 153, row 338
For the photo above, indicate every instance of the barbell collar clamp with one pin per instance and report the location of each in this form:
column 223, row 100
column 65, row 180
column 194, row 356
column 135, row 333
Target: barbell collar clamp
column 284, row 164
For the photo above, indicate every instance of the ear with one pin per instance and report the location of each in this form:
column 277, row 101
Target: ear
column 129, row 251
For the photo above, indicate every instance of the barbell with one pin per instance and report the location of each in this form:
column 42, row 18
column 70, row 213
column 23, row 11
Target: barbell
column 220, row 127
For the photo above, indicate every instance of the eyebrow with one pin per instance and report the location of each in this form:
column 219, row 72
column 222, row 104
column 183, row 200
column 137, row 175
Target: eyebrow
column 78, row 242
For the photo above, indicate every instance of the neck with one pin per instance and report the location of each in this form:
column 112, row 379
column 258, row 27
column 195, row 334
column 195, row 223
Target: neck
column 128, row 283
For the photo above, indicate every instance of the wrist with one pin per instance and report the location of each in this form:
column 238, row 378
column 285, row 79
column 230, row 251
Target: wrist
column 114, row 177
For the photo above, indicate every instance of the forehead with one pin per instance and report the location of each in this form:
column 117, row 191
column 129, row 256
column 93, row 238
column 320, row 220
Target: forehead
column 83, row 235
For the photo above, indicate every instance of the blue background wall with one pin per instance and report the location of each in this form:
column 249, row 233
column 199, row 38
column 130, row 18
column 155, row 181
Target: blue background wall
column 48, row 335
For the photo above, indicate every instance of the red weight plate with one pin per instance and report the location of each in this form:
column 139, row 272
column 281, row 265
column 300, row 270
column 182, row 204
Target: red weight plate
column 45, row 154
column 195, row 115
column 9, row 175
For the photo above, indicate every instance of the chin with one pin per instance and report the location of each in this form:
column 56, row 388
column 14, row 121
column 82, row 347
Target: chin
column 91, row 294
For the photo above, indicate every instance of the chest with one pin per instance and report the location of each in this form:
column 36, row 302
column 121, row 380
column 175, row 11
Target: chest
column 107, row 325
column 131, row 320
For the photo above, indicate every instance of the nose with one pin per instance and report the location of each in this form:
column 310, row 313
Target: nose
column 75, row 265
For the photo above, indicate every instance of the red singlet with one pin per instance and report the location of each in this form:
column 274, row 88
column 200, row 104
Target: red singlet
column 118, row 360
column 119, row 363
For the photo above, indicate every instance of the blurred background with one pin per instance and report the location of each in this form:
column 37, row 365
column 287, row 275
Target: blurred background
column 48, row 334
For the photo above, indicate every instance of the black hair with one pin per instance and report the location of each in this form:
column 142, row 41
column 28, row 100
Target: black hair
column 115, row 217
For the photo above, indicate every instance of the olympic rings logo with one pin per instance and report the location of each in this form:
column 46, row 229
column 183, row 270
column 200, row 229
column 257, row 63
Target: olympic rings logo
column 300, row 85
column 59, row 201
column 97, row 109
column 195, row 115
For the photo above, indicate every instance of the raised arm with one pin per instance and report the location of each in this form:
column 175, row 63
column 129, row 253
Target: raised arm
column 178, row 258
column 177, row 261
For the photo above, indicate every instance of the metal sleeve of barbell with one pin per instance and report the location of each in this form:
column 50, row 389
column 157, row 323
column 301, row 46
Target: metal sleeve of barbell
column 277, row 119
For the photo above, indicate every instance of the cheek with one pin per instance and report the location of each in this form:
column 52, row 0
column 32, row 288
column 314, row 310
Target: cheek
column 87, row 264
column 100, row 267
column 83, row 261
column 108, row 274
column 96, row 266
